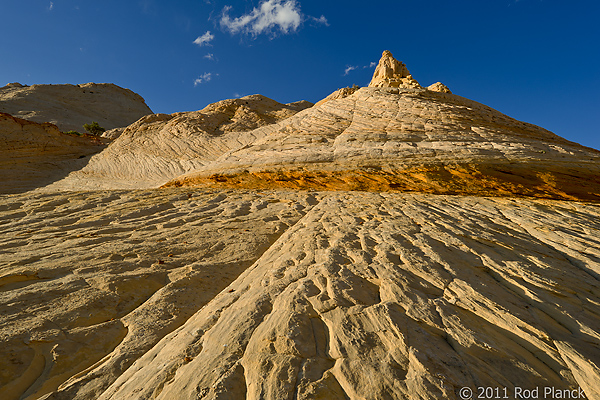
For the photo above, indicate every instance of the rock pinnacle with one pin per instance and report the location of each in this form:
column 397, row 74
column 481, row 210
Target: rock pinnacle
column 392, row 73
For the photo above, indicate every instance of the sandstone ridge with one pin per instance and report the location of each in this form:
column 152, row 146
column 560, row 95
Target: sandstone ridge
column 71, row 106
column 160, row 147
column 407, row 138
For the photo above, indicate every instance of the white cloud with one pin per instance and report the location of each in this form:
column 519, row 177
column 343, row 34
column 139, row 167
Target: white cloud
column 320, row 20
column 210, row 56
column 205, row 77
column 205, row 39
column 51, row 6
column 268, row 17
column 349, row 69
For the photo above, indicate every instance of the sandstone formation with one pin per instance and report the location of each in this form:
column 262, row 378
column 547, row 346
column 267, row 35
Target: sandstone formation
column 160, row 147
column 106, row 275
column 408, row 139
column 392, row 73
column 439, row 87
column 179, row 294
column 33, row 155
column 338, row 94
column 418, row 244
column 71, row 106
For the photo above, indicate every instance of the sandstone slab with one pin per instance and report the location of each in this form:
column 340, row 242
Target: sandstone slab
column 295, row 295
column 91, row 281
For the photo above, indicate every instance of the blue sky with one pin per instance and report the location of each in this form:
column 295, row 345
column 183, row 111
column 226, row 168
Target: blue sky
column 535, row 60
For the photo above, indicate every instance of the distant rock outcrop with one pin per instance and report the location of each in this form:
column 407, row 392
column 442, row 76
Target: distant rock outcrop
column 71, row 106
column 160, row 147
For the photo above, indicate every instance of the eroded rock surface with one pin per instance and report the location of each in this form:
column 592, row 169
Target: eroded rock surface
column 402, row 137
column 91, row 281
column 392, row 73
column 439, row 87
column 227, row 290
column 339, row 295
column 160, row 147
column 397, row 139
column 71, row 106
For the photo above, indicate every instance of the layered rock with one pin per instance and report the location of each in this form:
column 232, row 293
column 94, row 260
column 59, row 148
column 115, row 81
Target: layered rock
column 395, row 296
column 408, row 139
column 160, row 147
column 439, row 87
column 392, row 73
column 33, row 155
column 211, row 293
column 71, row 106
column 231, row 294
column 91, row 281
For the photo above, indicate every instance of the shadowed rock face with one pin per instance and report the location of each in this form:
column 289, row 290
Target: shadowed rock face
column 33, row 155
column 71, row 106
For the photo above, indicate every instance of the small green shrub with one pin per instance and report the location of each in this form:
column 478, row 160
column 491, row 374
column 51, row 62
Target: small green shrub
column 94, row 128
column 74, row 133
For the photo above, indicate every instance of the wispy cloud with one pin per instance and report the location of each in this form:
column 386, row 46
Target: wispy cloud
column 51, row 6
column 321, row 20
column 205, row 39
column 270, row 16
column 210, row 56
column 349, row 69
column 205, row 77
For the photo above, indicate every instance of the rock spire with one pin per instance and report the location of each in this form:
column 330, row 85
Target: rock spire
column 392, row 73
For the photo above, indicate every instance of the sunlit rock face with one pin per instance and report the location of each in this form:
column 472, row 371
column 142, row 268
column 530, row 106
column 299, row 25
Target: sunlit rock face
column 407, row 138
column 71, row 106
column 439, row 87
column 243, row 294
column 160, row 147
column 391, row 241
column 392, row 73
